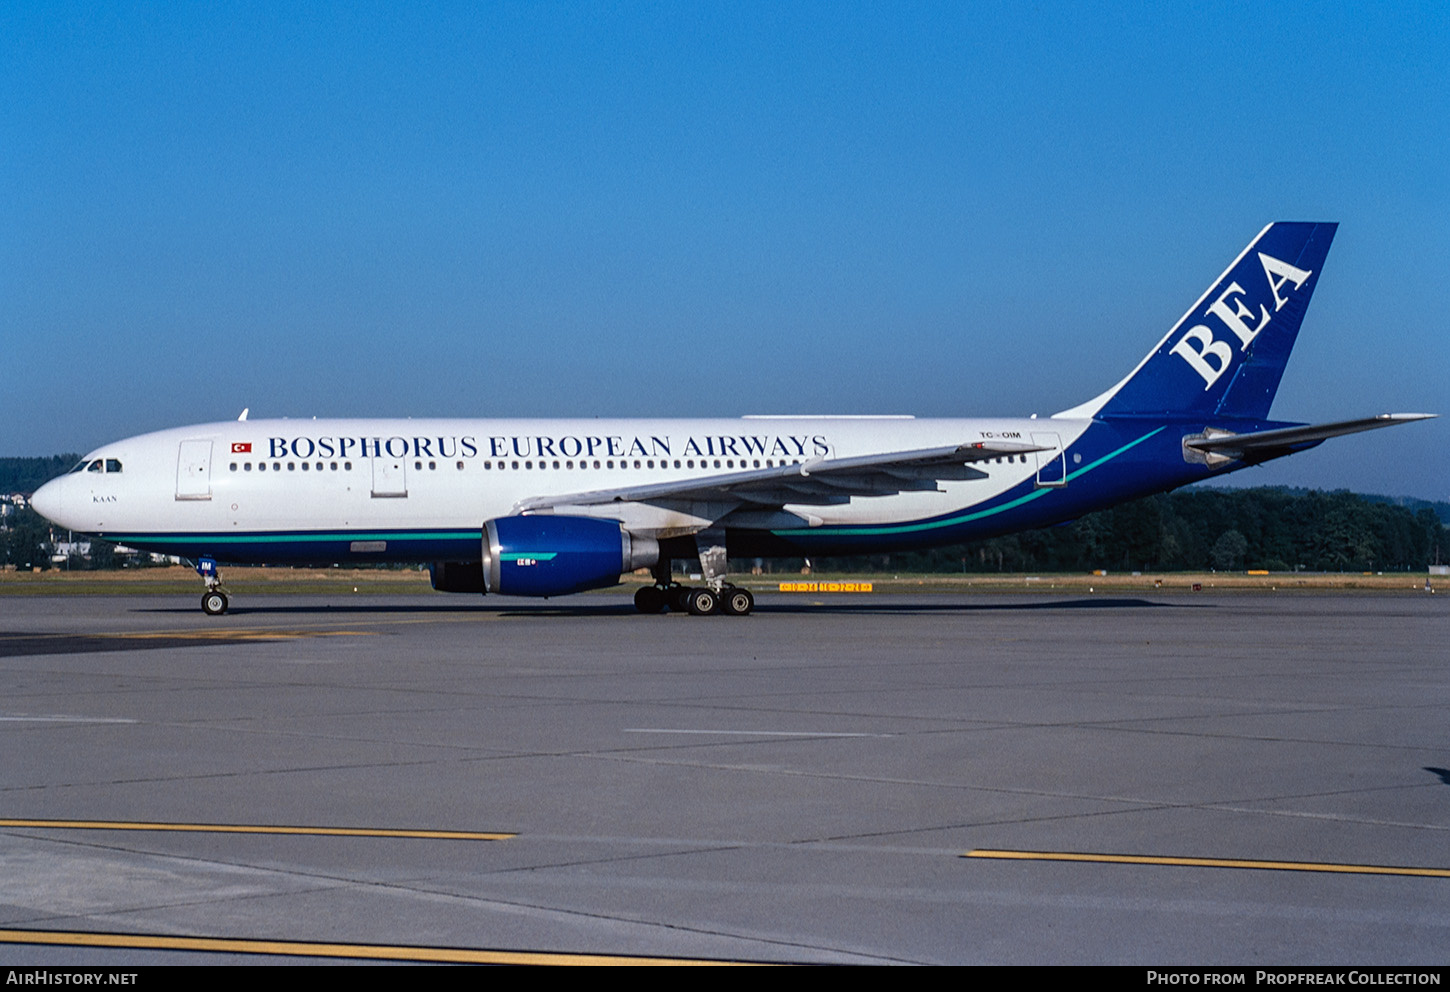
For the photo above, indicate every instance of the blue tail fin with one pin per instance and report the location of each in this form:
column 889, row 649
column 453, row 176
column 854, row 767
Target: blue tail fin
column 1226, row 355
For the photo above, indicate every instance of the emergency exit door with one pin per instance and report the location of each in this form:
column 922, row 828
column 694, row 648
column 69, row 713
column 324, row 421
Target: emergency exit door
column 390, row 476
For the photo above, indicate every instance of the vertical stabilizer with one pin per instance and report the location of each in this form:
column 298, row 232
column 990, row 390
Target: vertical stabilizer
column 1226, row 355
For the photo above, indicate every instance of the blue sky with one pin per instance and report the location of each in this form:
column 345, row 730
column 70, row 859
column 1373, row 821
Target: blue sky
column 584, row 209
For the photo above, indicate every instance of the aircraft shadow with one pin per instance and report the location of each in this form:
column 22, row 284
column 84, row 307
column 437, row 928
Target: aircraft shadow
column 584, row 610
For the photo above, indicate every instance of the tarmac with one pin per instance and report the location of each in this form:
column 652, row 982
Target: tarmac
column 1238, row 779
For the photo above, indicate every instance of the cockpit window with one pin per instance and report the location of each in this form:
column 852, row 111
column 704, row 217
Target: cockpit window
column 80, row 467
column 113, row 465
column 96, row 466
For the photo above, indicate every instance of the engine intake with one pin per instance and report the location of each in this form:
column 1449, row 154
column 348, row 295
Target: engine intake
column 547, row 555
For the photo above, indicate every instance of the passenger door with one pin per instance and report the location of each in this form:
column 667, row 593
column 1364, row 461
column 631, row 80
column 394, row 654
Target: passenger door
column 1052, row 464
column 193, row 470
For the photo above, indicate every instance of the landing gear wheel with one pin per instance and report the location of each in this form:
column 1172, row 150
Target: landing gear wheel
column 703, row 602
column 738, row 602
column 678, row 598
column 214, row 603
column 650, row 599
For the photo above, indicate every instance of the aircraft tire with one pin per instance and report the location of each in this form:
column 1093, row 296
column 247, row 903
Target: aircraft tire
column 650, row 599
column 738, row 602
column 677, row 598
column 703, row 602
column 214, row 603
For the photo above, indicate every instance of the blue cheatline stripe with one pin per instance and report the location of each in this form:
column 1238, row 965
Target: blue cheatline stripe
column 963, row 517
column 295, row 537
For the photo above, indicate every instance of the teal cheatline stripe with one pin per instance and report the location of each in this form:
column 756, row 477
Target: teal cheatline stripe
column 294, row 538
column 963, row 517
column 535, row 555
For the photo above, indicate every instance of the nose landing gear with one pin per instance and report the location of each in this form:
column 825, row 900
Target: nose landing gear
column 213, row 601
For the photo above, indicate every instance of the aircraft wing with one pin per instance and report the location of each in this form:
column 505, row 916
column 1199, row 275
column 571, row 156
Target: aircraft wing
column 815, row 481
column 1262, row 445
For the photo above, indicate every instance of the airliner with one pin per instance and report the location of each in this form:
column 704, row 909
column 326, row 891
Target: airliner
column 550, row 507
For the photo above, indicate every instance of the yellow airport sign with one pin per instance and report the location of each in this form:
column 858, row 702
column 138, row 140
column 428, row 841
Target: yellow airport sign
column 825, row 587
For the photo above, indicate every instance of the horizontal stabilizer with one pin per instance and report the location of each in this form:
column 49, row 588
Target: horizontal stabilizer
column 1262, row 445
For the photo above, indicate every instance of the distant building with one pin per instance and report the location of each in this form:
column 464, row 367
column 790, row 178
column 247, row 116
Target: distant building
column 65, row 550
column 10, row 505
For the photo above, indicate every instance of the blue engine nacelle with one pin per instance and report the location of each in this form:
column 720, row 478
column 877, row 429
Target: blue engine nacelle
column 547, row 555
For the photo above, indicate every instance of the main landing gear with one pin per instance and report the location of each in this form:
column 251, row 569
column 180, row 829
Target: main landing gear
column 213, row 601
column 730, row 600
column 718, row 596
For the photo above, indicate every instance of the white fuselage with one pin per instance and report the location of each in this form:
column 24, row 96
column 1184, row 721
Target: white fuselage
column 237, row 477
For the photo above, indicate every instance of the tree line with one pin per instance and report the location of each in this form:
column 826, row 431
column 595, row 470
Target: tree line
column 26, row 475
column 1200, row 530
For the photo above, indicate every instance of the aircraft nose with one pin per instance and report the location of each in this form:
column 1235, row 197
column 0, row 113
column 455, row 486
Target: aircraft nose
column 49, row 500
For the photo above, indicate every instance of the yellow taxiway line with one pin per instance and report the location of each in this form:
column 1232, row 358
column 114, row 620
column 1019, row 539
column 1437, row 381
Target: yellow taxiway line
column 242, row 828
column 1137, row 859
column 298, row 948
column 232, row 634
